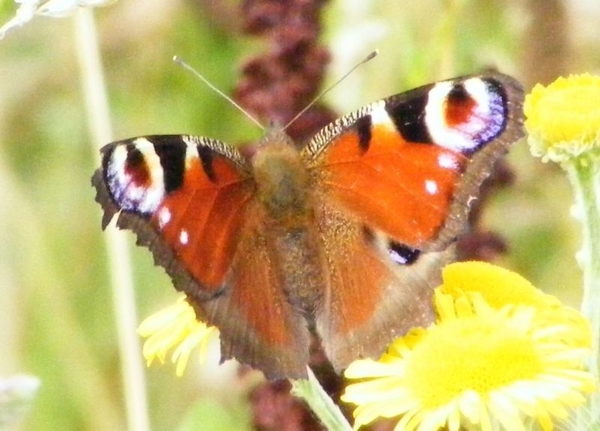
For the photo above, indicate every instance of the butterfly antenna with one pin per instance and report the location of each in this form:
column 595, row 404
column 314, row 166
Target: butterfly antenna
column 189, row 68
column 369, row 57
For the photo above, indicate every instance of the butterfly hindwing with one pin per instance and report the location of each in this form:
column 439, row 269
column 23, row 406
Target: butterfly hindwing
column 369, row 302
column 258, row 325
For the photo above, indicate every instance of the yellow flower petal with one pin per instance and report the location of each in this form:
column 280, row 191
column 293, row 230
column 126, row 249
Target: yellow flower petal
column 175, row 327
column 499, row 287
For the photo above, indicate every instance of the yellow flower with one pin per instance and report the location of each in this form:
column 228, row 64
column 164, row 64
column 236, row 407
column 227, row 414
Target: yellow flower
column 175, row 327
column 563, row 119
column 478, row 365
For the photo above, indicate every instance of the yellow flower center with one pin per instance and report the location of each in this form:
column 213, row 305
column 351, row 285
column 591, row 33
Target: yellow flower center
column 573, row 124
column 478, row 353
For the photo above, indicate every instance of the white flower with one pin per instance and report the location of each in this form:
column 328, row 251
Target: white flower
column 53, row 8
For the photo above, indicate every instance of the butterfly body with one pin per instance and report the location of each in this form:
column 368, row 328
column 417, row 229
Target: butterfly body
column 343, row 238
column 288, row 211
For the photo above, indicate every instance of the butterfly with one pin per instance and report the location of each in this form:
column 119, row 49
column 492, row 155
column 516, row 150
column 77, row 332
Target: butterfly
column 343, row 238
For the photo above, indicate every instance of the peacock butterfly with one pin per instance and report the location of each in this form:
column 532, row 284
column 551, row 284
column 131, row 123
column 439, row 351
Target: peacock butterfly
column 343, row 238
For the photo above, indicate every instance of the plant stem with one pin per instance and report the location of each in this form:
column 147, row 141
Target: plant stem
column 132, row 367
column 584, row 174
column 311, row 391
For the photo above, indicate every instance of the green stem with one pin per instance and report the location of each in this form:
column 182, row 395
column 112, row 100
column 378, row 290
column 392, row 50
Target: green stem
column 132, row 366
column 311, row 391
column 584, row 174
column 444, row 44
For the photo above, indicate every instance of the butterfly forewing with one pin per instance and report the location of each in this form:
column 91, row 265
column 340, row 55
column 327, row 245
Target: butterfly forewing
column 395, row 186
column 403, row 164
column 186, row 193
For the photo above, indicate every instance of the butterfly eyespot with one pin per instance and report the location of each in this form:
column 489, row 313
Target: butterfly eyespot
column 135, row 177
column 402, row 254
column 462, row 116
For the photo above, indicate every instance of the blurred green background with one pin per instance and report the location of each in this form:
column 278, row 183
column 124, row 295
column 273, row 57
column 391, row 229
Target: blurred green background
column 56, row 310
